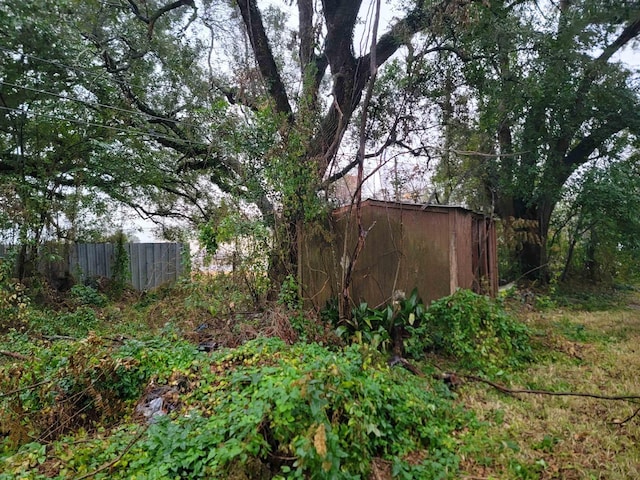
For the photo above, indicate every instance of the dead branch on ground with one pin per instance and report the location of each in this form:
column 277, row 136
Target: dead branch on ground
column 16, row 355
column 511, row 391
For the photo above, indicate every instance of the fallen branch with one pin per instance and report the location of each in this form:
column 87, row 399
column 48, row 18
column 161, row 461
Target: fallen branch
column 511, row 391
column 403, row 362
column 110, row 464
column 22, row 389
column 17, row 356
column 629, row 418
column 59, row 337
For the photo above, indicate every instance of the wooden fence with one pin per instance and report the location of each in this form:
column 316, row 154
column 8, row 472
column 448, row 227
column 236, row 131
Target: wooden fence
column 150, row 264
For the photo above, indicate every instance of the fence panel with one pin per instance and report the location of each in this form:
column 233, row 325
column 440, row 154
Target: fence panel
column 150, row 264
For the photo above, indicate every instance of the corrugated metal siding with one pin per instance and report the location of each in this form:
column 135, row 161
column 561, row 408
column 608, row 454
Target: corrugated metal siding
column 436, row 249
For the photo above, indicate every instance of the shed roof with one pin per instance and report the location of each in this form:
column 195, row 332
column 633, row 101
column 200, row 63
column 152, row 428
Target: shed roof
column 392, row 204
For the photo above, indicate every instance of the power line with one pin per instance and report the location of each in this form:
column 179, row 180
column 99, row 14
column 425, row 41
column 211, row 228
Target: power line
column 95, row 104
column 109, row 127
column 69, row 67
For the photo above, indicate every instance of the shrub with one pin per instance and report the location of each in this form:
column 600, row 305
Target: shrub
column 14, row 303
column 302, row 412
column 70, row 385
column 86, row 295
column 477, row 331
column 403, row 321
column 269, row 410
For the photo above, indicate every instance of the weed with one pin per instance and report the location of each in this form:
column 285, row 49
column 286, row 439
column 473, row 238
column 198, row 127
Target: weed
column 86, row 295
column 477, row 332
column 399, row 325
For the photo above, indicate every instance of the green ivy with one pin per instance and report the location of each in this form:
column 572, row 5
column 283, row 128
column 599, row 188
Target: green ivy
column 263, row 410
column 477, row 332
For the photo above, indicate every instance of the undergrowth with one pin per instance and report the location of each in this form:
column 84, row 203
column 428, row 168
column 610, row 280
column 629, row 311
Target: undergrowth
column 263, row 410
column 283, row 406
column 473, row 330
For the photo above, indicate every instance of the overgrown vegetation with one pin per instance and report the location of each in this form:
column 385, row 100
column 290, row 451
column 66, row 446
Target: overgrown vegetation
column 474, row 330
column 183, row 383
column 262, row 410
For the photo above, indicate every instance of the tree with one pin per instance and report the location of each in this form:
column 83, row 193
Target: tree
column 599, row 224
column 69, row 146
column 234, row 104
column 550, row 98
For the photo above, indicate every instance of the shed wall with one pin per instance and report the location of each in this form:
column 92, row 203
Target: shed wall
column 406, row 246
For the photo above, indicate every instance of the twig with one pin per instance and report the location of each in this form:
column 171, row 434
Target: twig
column 59, row 337
column 403, row 362
column 502, row 388
column 110, row 464
column 374, row 470
column 22, row 389
column 630, row 417
column 17, row 356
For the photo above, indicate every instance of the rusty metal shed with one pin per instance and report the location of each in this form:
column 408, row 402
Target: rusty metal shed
column 437, row 249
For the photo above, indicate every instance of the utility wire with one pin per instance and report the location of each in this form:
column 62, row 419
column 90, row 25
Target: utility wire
column 93, row 124
column 97, row 104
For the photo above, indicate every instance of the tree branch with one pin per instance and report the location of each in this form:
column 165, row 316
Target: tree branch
column 581, row 152
column 252, row 19
column 17, row 356
column 511, row 391
column 417, row 20
column 165, row 9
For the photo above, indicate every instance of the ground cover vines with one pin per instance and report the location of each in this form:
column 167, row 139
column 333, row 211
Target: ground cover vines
column 263, row 410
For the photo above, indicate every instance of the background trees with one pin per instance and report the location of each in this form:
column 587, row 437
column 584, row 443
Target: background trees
column 170, row 107
column 551, row 98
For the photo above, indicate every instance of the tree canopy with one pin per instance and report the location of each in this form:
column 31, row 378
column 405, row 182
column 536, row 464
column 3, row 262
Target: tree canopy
column 170, row 107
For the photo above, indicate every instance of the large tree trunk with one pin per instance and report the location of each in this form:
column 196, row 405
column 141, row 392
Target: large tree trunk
column 528, row 230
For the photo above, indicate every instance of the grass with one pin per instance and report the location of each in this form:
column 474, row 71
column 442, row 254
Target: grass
column 544, row 437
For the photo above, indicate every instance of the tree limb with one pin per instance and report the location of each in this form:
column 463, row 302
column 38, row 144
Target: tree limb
column 252, row 19
column 511, row 391
column 17, row 356
column 581, row 152
column 167, row 8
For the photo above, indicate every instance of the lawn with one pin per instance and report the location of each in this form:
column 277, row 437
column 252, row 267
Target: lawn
column 541, row 436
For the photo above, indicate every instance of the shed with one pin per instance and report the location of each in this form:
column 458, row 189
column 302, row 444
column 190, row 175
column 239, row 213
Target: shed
column 436, row 248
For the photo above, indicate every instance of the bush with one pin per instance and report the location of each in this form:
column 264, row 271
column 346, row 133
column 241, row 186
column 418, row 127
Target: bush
column 302, row 412
column 14, row 303
column 403, row 321
column 70, row 385
column 477, row 331
column 86, row 295
column 269, row 410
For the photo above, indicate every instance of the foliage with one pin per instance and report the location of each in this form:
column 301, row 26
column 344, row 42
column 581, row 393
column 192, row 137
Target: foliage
column 268, row 410
column 376, row 327
column 14, row 301
column 477, row 332
column 120, row 274
column 305, row 323
column 597, row 229
column 289, row 295
column 244, row 242
column 68, row 385
column 87, row 295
